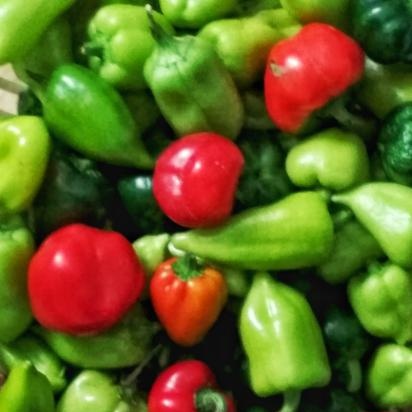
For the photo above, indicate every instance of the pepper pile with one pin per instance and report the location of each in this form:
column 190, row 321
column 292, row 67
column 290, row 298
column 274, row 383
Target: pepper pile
column 206, row 206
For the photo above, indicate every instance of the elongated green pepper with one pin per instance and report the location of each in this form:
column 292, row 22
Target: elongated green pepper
column 192, row 87
column 282, row 340
column 292, row 233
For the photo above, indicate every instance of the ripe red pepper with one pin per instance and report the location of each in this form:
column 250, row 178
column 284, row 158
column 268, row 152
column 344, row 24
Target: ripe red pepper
column 306, row 71
column 187, row 298
column 83, row 280
column 195, row 179
column 188, row 386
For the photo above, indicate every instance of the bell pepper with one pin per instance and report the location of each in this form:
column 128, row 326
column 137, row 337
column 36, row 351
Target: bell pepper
column 243, row 44
column 87, row 114
column 308, row 70
column 382, row 301
column 19, row 32
column 389, row 376
column 182, row 286
column 188, row 386
column 119, row 42
column 292, row 233
column 191, row 85
column 282, row 340
column 96, row 272
column 25, row 144
column 334, row 159
column 124, row 345
column 383, row 29
column 16, row 249
column 188, row 166
column 385, row 210
column 250, row 7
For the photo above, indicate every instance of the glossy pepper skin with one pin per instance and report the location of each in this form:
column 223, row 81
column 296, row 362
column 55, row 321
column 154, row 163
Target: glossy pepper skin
column 306, row 71
column 282, row 339
column 195, row 179
column 192, row 87
column 385, row 210
column 187, row 298
column 334, row 159
column 96, row 272
column 292, row 233
column 119, row 42
column 88, row 115
column 188, row 386
column 382, row 27
column 21, row 34
column 243, row 44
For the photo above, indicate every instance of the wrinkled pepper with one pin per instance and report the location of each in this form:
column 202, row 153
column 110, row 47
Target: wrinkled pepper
column 292, row 233
column 191, row 85
column 282, row 340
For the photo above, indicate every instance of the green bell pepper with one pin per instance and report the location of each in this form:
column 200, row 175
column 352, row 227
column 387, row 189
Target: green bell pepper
column 385, row 210
column 87, row 114
column 191, row 85
column 389, row 378
column 243, row 44
column 333, row 159
column 282, row 340
column 292, row 233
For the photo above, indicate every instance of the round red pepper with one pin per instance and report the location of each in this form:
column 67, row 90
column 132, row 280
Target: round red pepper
column 195, row 179
column 188, row 386
column 83, row 280
column 306, row 71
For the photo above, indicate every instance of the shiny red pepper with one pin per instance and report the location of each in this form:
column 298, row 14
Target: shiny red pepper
column 83, row 280
column 188, row 386
column 306, row 71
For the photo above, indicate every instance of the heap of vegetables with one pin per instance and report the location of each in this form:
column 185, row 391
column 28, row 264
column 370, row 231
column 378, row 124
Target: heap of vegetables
column 206, row 206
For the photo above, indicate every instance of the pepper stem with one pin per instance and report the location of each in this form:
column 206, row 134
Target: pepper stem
column 210, row 400
column 187, row 267
column 158, row 32
column 291, row 401
column 92, row 49
column 355, row 375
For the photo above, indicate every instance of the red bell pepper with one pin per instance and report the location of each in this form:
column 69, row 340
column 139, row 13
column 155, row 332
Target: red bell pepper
column 188, row 386
column 306, row 71
column 83, row 280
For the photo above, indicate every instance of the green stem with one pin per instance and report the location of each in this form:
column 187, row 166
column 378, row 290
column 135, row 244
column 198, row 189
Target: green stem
column 291, row 401
column 92, row 49
column 158, row 32
column 355, row 376
column 188, row 267
column 209, row 400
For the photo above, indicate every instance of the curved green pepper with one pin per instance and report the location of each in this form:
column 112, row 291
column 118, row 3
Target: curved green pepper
column 88, row 115
column 333, row 159
column 292, row 233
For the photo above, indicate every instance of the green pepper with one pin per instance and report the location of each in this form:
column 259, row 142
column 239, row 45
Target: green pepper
column 243, row 44
column 333, row 159
column 23, row 24
column 191, row 85
column 282, row 340
column 25, row 145
column 124, row 345
column 119, row 43
column 385, row 210
column 88, row 115
column 250, row 7
column 292, row 233
column 389, row 379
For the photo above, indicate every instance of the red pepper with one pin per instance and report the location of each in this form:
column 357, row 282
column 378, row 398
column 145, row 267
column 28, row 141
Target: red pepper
column 83, row 280
column 195, row 179
column 306, row 71
column 188, row 386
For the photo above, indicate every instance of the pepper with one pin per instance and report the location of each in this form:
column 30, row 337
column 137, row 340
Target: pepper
column 389, row 376
column 192, row 87
column 87, row 114
column 19, row 34
column 251, row 7
column 382, row 28
column 385, row 210
column 188, row 386
column 119, row 42
column 334, row 159
column 292, row 233
column 282, row 340
column 25, row 144
column 308, row 70
column 243, row 44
